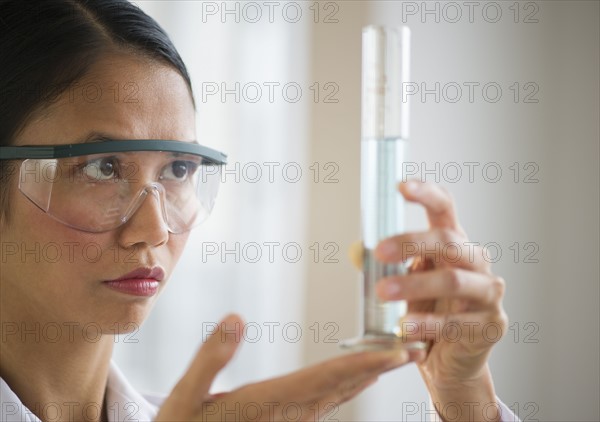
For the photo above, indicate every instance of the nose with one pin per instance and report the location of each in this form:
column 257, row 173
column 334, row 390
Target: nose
column 146, row 224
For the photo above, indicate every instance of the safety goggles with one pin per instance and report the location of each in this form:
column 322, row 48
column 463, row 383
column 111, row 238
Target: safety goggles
column 97, row 187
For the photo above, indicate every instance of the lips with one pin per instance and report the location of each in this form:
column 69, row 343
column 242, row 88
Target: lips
column 155, row 273
column 139, row 282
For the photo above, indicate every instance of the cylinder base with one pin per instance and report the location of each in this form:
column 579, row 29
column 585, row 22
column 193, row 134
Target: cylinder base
column 373, row 342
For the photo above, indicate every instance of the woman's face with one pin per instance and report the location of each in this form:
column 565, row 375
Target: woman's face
column 122, row 97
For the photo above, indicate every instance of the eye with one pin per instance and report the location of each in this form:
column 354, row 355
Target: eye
column 179, row 170
column 101, row 169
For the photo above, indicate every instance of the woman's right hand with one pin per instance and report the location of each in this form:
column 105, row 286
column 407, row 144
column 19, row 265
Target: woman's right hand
column 308, row 394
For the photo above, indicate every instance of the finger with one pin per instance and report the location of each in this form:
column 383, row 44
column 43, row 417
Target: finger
column 322, row 383
column 334, row 376
column 355, row 252
column 443, row 283
column 214, row 354
column 438, row 203
column 261, row 408
column 312, row 384
column 290, row 398
column 439, row 246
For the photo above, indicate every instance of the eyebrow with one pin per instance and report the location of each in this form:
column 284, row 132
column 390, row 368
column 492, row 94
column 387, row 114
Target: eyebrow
column 97, row 136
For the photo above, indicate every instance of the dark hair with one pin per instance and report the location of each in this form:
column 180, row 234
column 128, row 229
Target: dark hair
column 48, row 45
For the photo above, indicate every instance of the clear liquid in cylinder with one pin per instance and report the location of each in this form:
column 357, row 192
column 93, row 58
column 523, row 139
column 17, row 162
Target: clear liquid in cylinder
column 383, row 216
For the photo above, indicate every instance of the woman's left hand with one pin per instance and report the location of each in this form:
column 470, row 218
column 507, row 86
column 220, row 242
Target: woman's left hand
column 454, row 300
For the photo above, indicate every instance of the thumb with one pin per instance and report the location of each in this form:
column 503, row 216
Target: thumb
column 215, row 353
column 355, row 252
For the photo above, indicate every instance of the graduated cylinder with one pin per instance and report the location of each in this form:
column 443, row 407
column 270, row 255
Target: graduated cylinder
column 385, row 67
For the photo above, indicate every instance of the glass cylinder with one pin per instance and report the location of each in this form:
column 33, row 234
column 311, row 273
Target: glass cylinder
column 385, row 68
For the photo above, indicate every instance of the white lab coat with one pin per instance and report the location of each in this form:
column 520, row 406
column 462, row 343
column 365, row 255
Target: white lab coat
column 123, row 401
column 126, row 404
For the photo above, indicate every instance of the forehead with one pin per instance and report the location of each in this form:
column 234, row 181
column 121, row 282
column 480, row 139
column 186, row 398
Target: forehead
column 125, row 96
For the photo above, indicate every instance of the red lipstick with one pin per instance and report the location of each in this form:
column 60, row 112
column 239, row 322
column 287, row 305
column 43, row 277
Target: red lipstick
column 139, row 282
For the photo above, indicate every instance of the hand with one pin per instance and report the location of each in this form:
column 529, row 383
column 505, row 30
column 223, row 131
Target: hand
column 308, row 394
column 454, row 299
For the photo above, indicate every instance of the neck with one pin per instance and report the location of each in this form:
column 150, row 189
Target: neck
column 53, row 368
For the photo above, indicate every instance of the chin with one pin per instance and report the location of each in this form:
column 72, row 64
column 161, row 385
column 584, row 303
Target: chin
column 123, row 318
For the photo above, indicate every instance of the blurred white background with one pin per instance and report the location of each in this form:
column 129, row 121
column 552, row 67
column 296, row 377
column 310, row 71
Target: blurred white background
column 304, row 130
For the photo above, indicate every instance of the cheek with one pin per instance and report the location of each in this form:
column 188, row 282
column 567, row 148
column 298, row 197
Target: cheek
column 40, row 245
column 44, row 246
column 46, row 265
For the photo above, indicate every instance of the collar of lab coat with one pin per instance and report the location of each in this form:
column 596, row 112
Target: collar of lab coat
column 123, row 401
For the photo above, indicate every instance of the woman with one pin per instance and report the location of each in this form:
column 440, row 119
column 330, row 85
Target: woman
column 110, row 209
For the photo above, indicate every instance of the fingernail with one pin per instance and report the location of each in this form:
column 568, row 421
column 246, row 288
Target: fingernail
column 231, row 324
column 230, row 330
column 391, row 289
column 412, row 186
column 387, row 248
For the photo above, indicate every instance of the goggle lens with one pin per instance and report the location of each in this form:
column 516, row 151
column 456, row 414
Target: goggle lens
column 100, row 192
